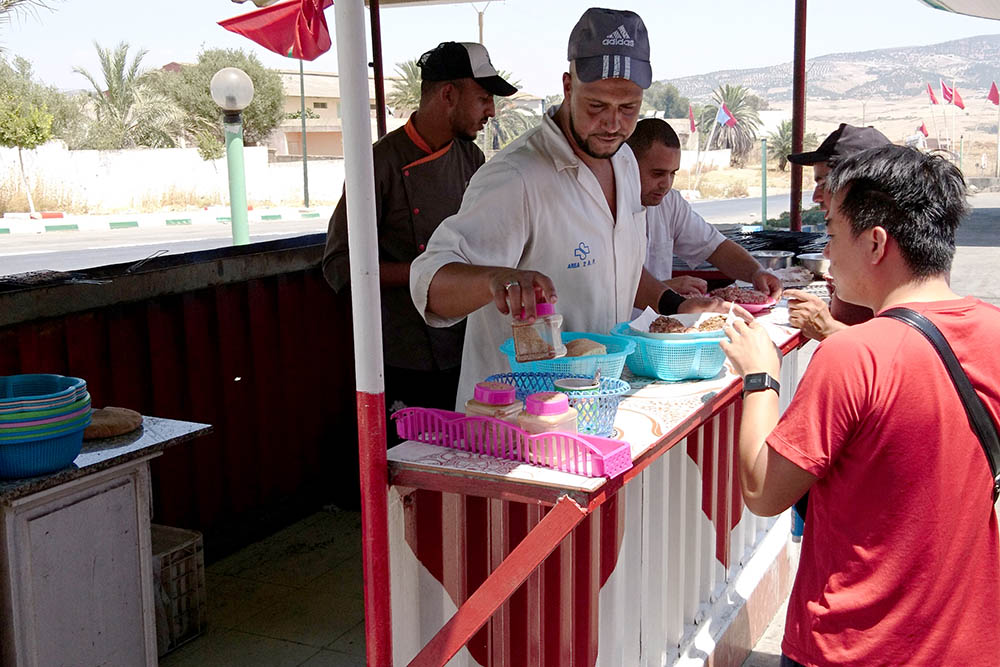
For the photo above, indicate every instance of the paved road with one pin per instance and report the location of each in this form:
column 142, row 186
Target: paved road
column 747, row 210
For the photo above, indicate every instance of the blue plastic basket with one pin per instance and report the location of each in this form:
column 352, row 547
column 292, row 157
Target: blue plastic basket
column 673, row 360
column 37, row 386
column 596, row 410
column 611, row 364
column 39, row 457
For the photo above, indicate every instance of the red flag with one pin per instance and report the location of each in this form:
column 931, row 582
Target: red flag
column 691, row 115
column 294, row 28
column 945, row 92
column 957, row 99
column 923, row 128
column 994, row 95
column 930, row 91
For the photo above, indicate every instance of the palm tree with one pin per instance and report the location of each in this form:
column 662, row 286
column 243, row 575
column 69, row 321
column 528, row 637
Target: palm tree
column 510, row 121
column 129, row 113
column 741, row 138
column 405, row 94
column 780, row 143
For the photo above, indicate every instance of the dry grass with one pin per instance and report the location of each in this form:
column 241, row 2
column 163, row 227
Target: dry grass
column 732, row 183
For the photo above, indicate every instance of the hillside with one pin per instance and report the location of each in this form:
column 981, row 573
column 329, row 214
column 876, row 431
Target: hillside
column 889, row 73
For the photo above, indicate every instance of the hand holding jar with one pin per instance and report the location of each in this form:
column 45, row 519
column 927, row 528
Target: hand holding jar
column 515, row 291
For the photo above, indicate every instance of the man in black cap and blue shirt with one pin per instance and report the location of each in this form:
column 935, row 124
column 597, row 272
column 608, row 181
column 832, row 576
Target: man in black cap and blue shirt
column 807, row 311
column 559, row 206
column 421, row 172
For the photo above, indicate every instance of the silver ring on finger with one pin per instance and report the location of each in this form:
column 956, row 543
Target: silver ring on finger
column 510, row 283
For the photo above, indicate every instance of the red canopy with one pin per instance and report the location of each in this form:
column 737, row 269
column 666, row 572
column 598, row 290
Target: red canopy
column 294, row 28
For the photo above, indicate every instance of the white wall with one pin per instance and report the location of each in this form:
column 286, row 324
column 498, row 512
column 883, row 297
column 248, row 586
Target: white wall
column 717, row 158
column 147, row 179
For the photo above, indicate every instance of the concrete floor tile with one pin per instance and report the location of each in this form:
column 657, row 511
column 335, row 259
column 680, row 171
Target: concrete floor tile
column 230, row 648
column 232, row 600
column 334, row 659
column 346, row 578
column 351, row 642
column 311, row 617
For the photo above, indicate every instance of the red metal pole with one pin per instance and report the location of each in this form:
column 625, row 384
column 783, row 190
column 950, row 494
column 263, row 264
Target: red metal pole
column 377, row 66
column 501, row 584
column 798, row 111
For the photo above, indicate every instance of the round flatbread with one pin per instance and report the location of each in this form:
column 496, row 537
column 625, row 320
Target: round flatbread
column 584, row 347
column 109, row 422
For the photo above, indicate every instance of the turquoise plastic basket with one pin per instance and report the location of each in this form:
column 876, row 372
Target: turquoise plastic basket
column 596, row 410
column 673, row 360
column 611, row 364
column 40, row 457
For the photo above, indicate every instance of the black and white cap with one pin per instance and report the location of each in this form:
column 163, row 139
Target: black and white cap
column 463, row 60
column 611, row 44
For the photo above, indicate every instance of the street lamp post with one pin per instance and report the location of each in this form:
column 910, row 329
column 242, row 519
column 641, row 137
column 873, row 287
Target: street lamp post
column 232, row 90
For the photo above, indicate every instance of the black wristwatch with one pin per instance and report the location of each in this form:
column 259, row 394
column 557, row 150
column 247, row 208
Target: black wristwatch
column 759, row 382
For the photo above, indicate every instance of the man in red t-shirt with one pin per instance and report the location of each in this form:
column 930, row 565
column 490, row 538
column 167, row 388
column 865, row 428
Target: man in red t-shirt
column 900, row 560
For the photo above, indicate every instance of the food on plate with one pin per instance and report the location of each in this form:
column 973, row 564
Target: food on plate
column 109, row 422
column 794, row 276
column 711, row 324
column 741, row 295
column 664, row 324
column 582, row 347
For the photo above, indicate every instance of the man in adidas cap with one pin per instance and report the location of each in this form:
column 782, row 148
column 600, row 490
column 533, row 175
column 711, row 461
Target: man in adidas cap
column 558, row 208
column 421, row 172
column 806, row 311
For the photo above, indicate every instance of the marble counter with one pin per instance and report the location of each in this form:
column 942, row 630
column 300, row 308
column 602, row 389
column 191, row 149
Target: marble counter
column 152, row 437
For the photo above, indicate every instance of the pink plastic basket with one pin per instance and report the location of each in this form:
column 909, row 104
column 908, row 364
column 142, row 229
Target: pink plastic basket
column 587, row 455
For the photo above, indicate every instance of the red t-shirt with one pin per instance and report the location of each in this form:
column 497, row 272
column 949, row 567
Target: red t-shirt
column 900, row 561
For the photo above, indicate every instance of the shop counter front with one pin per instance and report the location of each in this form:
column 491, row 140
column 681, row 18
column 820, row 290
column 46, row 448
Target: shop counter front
column 659, row 565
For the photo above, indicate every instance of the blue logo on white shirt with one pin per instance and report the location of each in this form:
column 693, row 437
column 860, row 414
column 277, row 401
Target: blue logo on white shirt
column 581, row 252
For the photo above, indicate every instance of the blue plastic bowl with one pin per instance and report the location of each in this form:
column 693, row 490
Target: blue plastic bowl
column 32, row 388
column 611, row 364
column 39, row 457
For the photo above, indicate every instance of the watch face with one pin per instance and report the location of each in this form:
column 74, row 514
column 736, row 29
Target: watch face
column 754, row 382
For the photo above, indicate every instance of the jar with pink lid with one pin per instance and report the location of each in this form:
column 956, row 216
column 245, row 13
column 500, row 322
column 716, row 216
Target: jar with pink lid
column 494, row 399
column 541, row 339
column 547, row 411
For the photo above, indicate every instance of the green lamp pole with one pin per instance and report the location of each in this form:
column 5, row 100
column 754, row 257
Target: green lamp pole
column 232, row 90
column 763, row 183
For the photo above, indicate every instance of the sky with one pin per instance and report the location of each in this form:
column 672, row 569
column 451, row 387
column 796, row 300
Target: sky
column 525, row 37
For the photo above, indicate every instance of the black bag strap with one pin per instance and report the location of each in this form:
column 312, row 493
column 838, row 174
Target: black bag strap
column 979, row 417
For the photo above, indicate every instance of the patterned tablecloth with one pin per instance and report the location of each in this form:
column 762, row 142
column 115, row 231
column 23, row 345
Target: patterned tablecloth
column 649, row 412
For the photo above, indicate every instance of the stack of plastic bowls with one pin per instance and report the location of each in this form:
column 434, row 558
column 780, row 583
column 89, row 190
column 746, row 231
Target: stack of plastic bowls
column 42, row 418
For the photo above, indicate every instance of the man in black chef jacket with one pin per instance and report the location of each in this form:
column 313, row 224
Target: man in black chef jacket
column 421, row 172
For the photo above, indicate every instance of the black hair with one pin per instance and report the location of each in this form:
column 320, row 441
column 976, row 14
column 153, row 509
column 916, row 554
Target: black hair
column 649, row 130
column 429, row 88
column 918, row 199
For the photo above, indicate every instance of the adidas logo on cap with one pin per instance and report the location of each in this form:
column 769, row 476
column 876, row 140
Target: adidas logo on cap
column 619, row 37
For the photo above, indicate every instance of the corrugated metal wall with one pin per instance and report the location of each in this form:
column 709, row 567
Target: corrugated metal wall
column 268, row 362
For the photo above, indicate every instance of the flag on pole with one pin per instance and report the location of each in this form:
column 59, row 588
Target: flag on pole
column 930, row 91
column 294, row 28
column 923, row 128
column 695, row 129
column 945, row 92
column 725, row 116
column 994, row 94
column 956, row 99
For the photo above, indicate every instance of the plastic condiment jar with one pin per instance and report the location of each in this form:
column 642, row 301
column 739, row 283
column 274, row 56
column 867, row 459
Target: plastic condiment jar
column 494, row 399
column 541, row 339
column 547, row 411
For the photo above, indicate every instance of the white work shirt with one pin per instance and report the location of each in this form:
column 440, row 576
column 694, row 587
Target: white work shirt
column 673, row 228
column 537, row 206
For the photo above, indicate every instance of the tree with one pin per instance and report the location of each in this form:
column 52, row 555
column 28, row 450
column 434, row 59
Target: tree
column 68, row 118
column 188, row 90
column 8, row 8
column 509, row 122
column 663, row 96
column 780, row 143
column 128, row 112
column 405, row 94
column 741, row 138
column 23, row 126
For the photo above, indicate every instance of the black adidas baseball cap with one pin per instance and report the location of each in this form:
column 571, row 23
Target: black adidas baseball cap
column 845, row 140
column 463, row 60
column 611, row 44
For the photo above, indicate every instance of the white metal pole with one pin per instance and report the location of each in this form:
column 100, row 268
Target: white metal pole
column 366, row 304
